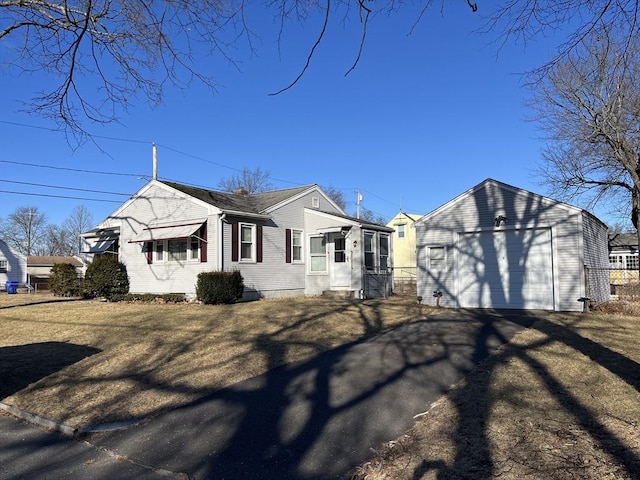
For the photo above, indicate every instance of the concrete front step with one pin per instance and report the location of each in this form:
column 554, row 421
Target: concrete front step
column 339, row 294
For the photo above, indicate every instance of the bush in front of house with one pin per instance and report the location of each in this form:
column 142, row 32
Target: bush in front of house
column 64, row 280
column 219, row 287
column 150, row 297
column 105, row 277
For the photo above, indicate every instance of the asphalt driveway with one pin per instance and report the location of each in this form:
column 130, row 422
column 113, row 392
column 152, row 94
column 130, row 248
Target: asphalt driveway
column 312, row 420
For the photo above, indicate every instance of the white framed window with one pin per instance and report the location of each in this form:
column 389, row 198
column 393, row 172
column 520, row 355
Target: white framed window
column 369, row 250
column 296, row 246
column 247, row 242
column 315, row 202
column 401, row 230
column 437, row 258
column 4, row 266
column 632, row 262
column 176, row 250
column 317, row 254
column 158, row 251
column 384, row 252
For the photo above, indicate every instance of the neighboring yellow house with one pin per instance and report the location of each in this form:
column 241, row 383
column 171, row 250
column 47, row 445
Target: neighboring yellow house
column 404, row 248
column 623, row 258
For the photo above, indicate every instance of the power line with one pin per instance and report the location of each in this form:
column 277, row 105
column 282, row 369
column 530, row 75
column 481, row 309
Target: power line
column 60, row 196
column 58, row 130
column 65, row 188
column 211, row 162
column 75, row 169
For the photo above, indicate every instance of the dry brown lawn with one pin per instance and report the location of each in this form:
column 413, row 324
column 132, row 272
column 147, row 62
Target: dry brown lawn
column 89, row 362
column 560, row 401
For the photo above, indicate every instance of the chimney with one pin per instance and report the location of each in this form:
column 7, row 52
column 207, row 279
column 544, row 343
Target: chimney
column 155, row 162
column 241, row 192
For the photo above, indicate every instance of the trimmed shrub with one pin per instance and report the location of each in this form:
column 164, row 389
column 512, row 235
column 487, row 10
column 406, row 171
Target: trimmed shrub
column 64, row 280
column 105, row 277
column 150, row 297
column 219, row 287
column 174, row 298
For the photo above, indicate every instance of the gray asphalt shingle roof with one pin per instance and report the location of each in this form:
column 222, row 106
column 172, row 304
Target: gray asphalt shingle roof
column 251, row 203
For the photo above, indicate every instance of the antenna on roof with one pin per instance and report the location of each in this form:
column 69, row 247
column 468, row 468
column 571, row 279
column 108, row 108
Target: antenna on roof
column 155, row 161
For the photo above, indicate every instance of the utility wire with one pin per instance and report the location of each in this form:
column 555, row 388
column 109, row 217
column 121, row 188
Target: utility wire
column 211, row 162
column 60, row 196
column 64, row 188
column 75, row 169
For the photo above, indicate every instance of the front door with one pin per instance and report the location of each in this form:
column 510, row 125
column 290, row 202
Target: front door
column 339, row 262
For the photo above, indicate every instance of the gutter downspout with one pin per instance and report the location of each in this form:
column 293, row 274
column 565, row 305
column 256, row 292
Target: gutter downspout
column 219, row 242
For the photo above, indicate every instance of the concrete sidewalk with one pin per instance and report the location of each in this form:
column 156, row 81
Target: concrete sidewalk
column 312, row 420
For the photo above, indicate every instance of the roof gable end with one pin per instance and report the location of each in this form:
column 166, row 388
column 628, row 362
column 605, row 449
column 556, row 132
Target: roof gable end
column 490, row 182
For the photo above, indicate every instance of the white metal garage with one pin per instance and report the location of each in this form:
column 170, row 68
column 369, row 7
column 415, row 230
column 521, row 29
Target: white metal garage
column 506, row 269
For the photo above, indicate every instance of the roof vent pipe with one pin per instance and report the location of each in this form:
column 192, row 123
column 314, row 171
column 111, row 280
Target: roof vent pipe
column 155, row 161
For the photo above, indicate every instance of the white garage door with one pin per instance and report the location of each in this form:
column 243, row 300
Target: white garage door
column 505, row 269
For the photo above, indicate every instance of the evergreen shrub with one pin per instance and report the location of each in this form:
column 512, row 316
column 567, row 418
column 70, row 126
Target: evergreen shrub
column 105, row 277
column 219, row 287
column 64, row 280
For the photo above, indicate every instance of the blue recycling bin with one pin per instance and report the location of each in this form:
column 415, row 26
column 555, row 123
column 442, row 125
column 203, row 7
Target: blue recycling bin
column 12, row 286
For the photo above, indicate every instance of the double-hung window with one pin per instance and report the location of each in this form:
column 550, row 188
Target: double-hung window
column 436, row 258
column 400, row 230
column 3, row 266
column 296, row 246
column 384, row 252
column 369, row 250
column 317, row 254
column 247, row 242
column 176, row 250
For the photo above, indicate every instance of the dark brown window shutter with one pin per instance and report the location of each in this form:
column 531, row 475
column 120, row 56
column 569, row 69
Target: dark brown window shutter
column 203, row 243
column 259, row 243
column 234, row 242
column 287, row 245
column 149, row 248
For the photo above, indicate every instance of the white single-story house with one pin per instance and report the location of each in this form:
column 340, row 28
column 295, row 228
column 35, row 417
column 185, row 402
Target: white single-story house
column 13, row 266
column 498, row 246
column 290, row 242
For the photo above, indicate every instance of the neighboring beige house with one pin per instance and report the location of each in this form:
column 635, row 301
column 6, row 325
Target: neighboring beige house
column 404, row 249
column 39, row 269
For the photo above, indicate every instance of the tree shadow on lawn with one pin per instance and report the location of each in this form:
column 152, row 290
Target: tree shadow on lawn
column 473, row 403
column 22, row 365
column 317, row 418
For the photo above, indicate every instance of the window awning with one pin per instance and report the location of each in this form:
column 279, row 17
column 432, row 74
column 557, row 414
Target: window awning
column 336, row 229
column 101, row 245
column 167, row 232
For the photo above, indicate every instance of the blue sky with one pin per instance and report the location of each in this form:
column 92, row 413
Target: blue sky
column 421, row 119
